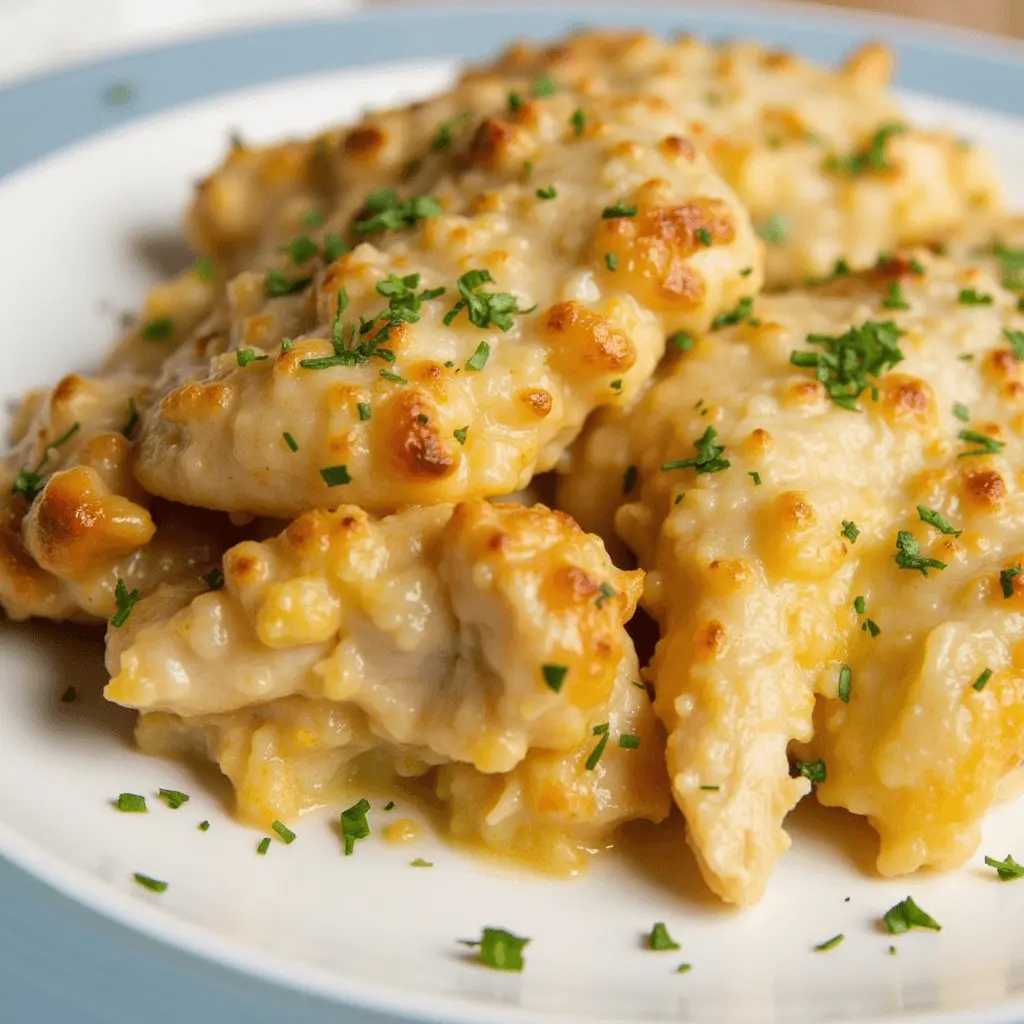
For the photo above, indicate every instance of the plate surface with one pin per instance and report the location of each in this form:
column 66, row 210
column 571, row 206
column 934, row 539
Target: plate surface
column 90, row 206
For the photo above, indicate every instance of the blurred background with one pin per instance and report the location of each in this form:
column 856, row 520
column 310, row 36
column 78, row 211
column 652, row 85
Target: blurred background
column 35, row 34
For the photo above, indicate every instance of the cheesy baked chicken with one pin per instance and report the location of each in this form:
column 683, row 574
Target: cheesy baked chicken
column 826, row 499
column 458, row 347
column 825, row 161
column 486, row 637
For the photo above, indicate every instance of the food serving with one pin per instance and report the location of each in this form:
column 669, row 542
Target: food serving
column 767, row 335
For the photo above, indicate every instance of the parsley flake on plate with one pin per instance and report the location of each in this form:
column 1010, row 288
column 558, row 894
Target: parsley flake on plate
column 906, row 915
column 499, row 949
column 174, row 798
column 659, row 940
column 264, row 845
column 824, row 947
column 131, row 803
column 204, row 826
column 152, row 884
column 354, row 824
column 419, row 862
column 284, row 833
column 1007, row 869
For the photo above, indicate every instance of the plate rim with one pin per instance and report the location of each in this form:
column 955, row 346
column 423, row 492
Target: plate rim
column 137, row 915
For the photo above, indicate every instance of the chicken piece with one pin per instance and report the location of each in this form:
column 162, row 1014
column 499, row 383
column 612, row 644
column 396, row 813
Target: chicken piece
column 72, row 518
column 477, row 632
column 825, row 161
column 554, row 807
column 785, row 517
column 568, row 247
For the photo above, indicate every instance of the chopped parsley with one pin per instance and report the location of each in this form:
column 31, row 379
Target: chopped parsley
column 264, row 845
column 684, row 968
column 388, row 213
column 708, row 459
column 286, row 345
column 131, row 803
column 906, row 915
column 214, row 579
column 393, row 377
column 548, row 192
column 578, row 122
column 152, row 884
column 845, row 679
column 908, row 554
column 871, row 627
column 813, row 770
column 290, row 441
column 1007, row 869
column 988, row 445
column 894, row 297
column 69, row 695
column 616, row 385
column 499, row 949
column 403, row 307
column 335, row 476
column 245, row 356
column 871, row 159
column 659, row 940
column 125, row 603
column 419, row 862
column 28, row 483
column 128, row 430
column 544, row 86
column 628, row 479
column 484, row 309
column 741, row 312
column 205, row 269
column 365, row 410
column 158, row 329
column 354, row 825
column 979, row 683
column 710, row 789
column 607, row 592
column 312, row 218
column 204, row 826
column 962, row 413
column 824, row 947
column 859, row 605
column 284, row 833
column 389, row 805
column 682, row 340
column 1012, row 261
column 755, row 476
column 334, row 247
column 1006, row 577
column 554, row 676
column 174, row 798
column 595, row 754
column 443, row 138
column 971, row 297
column 301, row 250
column 276, row 285
column 620, row 209
column 704, row 236
column 851, row 358
column 461, row 434
column 628, row 741
column 775, row 230
column 478, row 360
column 611, row 261
column 515, row 101
column 932, row 518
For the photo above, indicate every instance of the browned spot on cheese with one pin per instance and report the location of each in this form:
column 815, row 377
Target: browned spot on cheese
column 491, row 143
column 416, row 448
column 67, row 391
column 365, row 141
column 78, row 526
column 574, row 582
column 710, row 639
column 983, row 488
column 805, row 392
column 759, row 442
column 906, row 399
column 579, row 339
column 196, row 401
column 674, row 147
column 537, row 400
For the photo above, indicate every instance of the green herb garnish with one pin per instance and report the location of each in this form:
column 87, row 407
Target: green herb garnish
column 774, row 230
column 824, row 947
column 813, row 770
column 932, row 518
column 159, row 329
column 988, row 445
column 708, row 459
column 461, row 434
column 285, row 834
column 276, row 285
column 174, row 798
column 971, row 297
column 354, row 824
column 908, row 554
column 125, row 603
column 131, row 803
column 388, row 213
column 245, row 356
column 152, row 884
column 335, row 476
column 484, row 309
column 845, row 679
column 554, row 676
column 1006, row 577
column 659, row 940
column 979, row 683
column 499, row 949
column 611, row 261
column 906, row 915
column 1007, row 869
column 741, row 312
column 548, row 192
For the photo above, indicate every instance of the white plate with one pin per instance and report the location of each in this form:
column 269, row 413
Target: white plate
column 87, row 231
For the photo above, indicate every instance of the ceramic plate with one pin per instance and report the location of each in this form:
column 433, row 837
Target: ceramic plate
column 97, row 164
